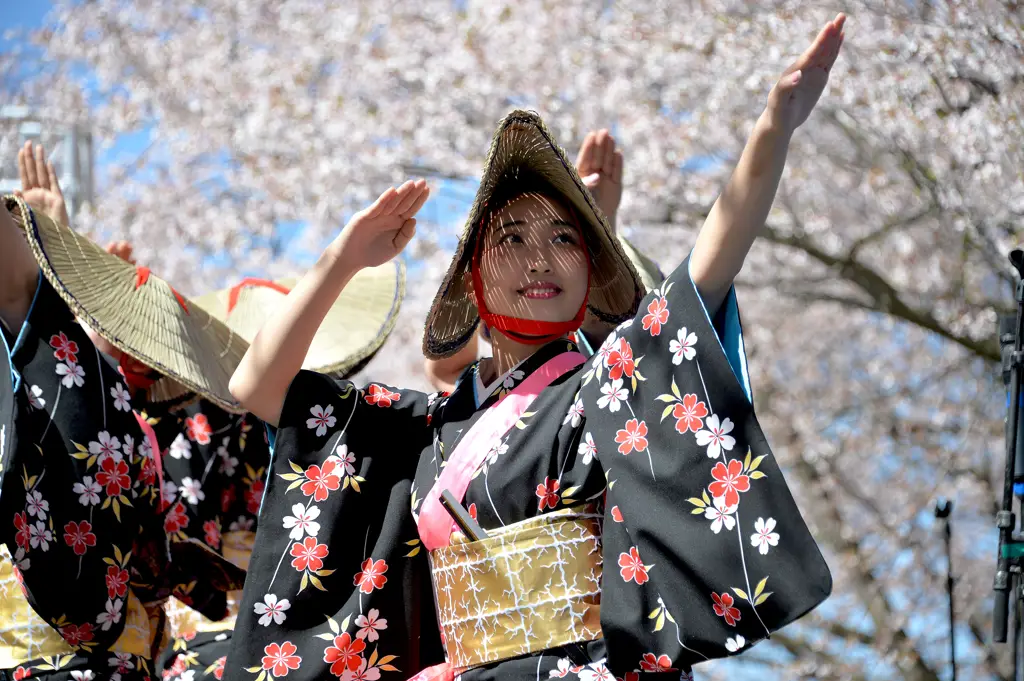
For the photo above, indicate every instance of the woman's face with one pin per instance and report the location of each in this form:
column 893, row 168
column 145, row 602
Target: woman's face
column 532, row 263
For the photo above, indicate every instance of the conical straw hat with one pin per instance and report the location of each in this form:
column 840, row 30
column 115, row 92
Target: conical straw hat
column 354, row 329
column 135, row 310
column 522, row 146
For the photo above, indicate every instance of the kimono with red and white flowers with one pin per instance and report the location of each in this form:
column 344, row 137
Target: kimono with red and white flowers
column 705, row 552
column 84, row 561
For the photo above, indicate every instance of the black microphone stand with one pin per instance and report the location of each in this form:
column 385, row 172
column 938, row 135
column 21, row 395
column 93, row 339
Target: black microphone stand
column 1011, row 546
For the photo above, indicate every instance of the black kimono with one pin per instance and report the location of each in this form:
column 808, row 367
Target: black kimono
column 704, row 549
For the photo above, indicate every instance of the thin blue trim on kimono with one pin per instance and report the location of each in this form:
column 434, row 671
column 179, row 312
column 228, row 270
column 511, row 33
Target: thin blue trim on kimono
column 271, row 432
column 21, row 333
column 730, row 337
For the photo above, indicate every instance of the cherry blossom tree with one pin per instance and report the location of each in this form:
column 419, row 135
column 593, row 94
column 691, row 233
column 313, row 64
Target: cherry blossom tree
column 870, row 302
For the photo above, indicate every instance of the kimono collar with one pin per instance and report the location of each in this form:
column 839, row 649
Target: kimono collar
column 485, row 396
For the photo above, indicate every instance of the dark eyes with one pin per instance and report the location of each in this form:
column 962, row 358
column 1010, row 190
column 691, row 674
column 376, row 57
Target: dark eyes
column 563, row 238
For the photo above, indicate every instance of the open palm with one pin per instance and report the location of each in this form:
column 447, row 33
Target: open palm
column 39, row 185
column 381, row 231
column 599, row 164
column 798, row 90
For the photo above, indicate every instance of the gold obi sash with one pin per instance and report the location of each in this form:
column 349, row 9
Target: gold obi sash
column 528, row 587
column 236, row 546
column 25, row 636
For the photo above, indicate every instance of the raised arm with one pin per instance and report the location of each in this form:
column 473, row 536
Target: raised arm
column 742, row 208
column 372, row 237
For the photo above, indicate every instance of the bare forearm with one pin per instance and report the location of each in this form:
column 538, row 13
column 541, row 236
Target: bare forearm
column 738, row 214
column 18, row 272
column 262, row 378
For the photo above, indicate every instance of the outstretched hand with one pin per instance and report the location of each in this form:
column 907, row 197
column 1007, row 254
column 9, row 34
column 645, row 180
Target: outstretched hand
column 122, row 249
column 378, row 233
column 600, row 166
column 39, row 185
column 798, row 90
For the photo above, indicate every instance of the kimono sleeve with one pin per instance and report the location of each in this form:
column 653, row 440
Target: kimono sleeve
column 705, row 549
column 337, row 581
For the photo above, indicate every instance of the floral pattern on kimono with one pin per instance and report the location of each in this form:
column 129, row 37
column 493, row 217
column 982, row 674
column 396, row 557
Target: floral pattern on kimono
column 705, row 551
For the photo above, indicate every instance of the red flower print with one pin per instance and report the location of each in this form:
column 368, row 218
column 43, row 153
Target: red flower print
column 211, row 528
column 218, row 671
column 634, row 436
column 254, row 496
column 633, row 570
column 662, row 663
column 616, row 514
column 309, row 554
column 278, row 659
column 723, row 608
column 631, row 676
column 729, row 481
column 114, row 476
column 76, row 635
column 381, row 396
column 79, row 536
column 199, row 429
column 176, row 518
column 22, row 673
column 64, row 349
column 344, row 655
column 117, row 582
column 547, row 494
column 688, row 414
column 371, row 576
column 472, row 512
column 147, row 472
column 620, row 361
column 22, row 535
column 320, row 480
column 657, row 314
column 227, row 497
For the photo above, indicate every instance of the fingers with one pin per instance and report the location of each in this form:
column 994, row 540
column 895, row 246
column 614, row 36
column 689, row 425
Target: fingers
column 377, row 207
column 600, row 144
column 616, row 172
column 585, row 159
column 424, row 194
column 40, row 169
column 412, row 192
column 52, row 179
column 30, row 167
column 23, row 170
column 591, row 180
column 608, row 155
column 405, row 234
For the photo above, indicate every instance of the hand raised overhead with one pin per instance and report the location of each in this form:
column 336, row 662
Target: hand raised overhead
column 381, row 231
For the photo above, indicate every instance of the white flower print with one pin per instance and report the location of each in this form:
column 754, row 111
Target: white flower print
column 510, row 380
column 587, row 449
column 369, row 624
column 228, row 463
column 107, row 446
column 242, row 523
column 36, row 505
column 716, row 437
column 192, row 490
column 39, row 536
column 111, row 616
column 575, row 415
column 763, row 536
column 345, row 459
column 123, row 661
column 83, row 675
column 720, row 515
column 496, row 450
column 303, row 522
column 271, row 610
column 180, row 448
column 72, row 374
column 322, row 419
column 129, row 446
column 734, row 644
column 20, row 561
column 169, row 491
column 686, row 676
column 564, row 666
column 624, row 325
column 35, row 397
column 596, row 671
column 145, row 450
column 122, row 398
column 187, row 675
column 88, row 491
column 683, row 346
column 606, row 349
column 611, row 395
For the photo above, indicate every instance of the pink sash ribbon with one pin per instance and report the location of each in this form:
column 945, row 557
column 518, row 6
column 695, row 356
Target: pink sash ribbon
column 154, row 445
column 435, row 525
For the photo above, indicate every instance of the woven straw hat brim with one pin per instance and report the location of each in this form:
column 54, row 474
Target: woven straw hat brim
column 136, row 311
column 523, row 145
column 648, row 270
column 354, row 329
